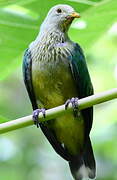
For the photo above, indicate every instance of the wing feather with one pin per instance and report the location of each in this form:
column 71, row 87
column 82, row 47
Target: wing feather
column 27, row 69
column 83, row 83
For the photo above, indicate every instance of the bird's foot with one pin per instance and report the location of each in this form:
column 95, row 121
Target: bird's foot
column 36, row 113
column 74, row 102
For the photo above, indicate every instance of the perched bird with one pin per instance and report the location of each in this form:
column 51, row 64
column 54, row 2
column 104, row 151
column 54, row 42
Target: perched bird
column 55, row 72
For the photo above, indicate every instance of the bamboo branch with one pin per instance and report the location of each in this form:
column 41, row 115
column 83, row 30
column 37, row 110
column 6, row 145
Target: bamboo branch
column 58, row 111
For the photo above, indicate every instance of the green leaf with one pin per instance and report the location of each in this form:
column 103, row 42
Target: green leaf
column 16, row 32
column 94, row 23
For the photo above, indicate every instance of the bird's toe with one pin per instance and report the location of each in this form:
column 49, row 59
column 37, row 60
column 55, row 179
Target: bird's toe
column 74, row 102
column 36, row 113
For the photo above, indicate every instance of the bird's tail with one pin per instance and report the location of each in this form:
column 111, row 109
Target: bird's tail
column 84, row 166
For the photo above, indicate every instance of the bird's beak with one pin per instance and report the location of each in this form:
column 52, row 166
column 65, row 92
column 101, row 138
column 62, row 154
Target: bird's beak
column 75, row 15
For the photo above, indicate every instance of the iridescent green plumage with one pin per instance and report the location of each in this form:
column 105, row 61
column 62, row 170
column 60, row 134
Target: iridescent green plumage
column 54, row 71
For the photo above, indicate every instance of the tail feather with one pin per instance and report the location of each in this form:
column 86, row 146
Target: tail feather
column 89, row 160
column 84, row 166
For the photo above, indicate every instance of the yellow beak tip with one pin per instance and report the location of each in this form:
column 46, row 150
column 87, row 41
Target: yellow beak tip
column 75, row 15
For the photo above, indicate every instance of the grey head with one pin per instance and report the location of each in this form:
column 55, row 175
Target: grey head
column 60, row 17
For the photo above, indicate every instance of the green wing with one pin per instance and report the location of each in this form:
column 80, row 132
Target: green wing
column 83, row 83
column 27, row 69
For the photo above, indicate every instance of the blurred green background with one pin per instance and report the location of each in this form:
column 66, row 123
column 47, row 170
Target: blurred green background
column 25, row 154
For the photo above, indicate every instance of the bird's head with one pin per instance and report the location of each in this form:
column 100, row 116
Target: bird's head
column 60, row 16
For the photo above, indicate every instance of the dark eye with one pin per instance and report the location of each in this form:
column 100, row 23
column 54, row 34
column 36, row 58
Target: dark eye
column 59, row 10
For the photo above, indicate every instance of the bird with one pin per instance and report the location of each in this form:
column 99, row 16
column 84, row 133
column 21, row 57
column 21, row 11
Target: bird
column 55, row 72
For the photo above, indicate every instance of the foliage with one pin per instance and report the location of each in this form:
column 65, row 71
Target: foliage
column 22, row 156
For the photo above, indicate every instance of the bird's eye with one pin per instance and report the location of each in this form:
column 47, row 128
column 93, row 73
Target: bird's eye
column 59, row 10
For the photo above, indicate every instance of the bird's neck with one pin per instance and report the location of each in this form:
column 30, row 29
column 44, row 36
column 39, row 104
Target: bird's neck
column 53, row 35
column 50, row 37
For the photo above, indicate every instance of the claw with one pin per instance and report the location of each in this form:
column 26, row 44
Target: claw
column 74, row 102
column 36, row 115
column 67, row 103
